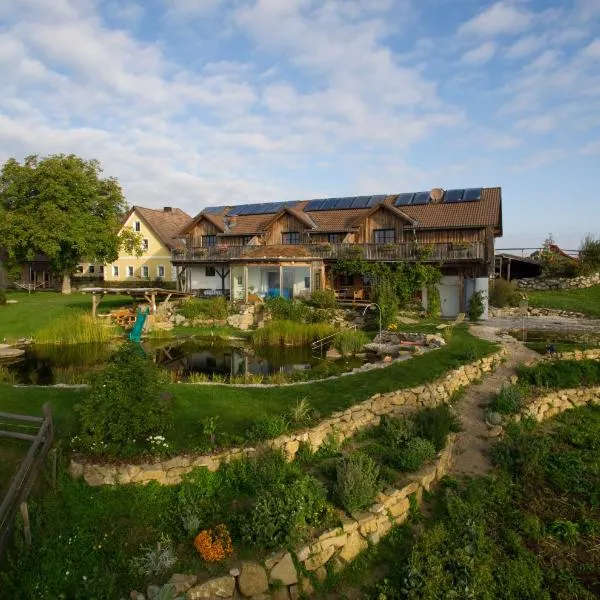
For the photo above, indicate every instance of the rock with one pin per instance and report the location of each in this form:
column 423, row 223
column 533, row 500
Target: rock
column 354, row 546
column 495, row 431
column 11, row 301
column 253, row 579
column 332, row 353
column 387, row 359
column 493, row 419
column 221, row 587
column 182, row 583
column 321, row 574
column 234, row 572
column 284, row 571
column 317, row 560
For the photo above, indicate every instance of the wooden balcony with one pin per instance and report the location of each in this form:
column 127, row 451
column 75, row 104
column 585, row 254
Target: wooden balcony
column 404, row 251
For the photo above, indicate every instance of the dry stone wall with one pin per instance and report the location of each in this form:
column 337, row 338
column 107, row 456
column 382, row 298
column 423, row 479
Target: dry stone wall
column 343, row 424
column 554, row 403
column 285, row 575
column 558, row 283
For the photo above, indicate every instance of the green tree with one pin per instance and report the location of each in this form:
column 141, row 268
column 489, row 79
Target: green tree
column 62, row 207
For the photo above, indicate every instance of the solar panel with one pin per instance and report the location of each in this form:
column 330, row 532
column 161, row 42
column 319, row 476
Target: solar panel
column 314, row 205
column 211, row 210
column 373, row 200
column 421, row 198
column 404, row 199
column 452, row 196
column 345, row 203
column 235, row 210
column 329, row 204
column 361, row 202
column 472, row 195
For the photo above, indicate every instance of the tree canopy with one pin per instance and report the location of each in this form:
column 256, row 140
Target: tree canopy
column 60, row 206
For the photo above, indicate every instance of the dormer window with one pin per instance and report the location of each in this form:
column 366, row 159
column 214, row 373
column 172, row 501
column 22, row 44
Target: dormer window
column 290, row 237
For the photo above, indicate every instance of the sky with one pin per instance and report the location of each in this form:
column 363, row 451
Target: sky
column 196, row 103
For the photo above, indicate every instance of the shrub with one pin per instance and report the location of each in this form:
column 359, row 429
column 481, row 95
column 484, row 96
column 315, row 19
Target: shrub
column 356, row 481
column 395, row 432
column 434, row 301
column 214, row 308
column 434, row 424
column 214, row 545
column 508, row 401
column 283, row 309
column 155, row 560
column 350, row 341
column 476, row 306
column 126, row 402
column 416, row 452
column 323, row 299
column 589, row 255
column 268, row 428
column 217, row 308
column 504, row 293
column 195, row 497
column 280, row 513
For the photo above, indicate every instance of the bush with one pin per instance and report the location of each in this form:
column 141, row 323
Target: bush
column 434, row 424
column 280, row 512
column 155, row 560
column 412, row 457
column 350, row 341
column 323, row 299
column 395, row 432
column 434, row 302
column 126, row 404
column 589, row 255
column 268, row 428
column 283, row 309
column 504, row 293
column 214, row 308
column 195, row 498
column 476, row 306
column 356, row 481
column 508, row 401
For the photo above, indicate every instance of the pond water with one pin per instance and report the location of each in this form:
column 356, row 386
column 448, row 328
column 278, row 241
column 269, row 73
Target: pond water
column 52, row 364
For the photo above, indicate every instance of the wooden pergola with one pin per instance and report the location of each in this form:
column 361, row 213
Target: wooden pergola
column 152, row 295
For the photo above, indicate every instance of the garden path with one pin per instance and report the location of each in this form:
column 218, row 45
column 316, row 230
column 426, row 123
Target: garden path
column 472, row 456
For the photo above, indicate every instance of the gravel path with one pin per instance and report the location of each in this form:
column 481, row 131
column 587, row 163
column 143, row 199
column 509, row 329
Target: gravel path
column 473, row 442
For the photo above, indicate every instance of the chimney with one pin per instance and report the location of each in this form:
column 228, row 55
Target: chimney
column 167, row 209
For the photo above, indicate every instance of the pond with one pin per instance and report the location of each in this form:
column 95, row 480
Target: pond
column 73, row 364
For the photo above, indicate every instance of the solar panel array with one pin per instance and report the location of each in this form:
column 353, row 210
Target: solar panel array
column 345, row 203
column 214, row 210
column 450, row 197
column 260, row 209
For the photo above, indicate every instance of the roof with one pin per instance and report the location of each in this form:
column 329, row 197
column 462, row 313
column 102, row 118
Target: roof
column 167, row 225
column 485, row 212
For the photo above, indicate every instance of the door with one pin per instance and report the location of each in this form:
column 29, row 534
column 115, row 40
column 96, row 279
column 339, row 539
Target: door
column 449, row 296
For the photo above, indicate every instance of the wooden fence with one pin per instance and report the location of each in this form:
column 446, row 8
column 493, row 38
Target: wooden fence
column 28, row 472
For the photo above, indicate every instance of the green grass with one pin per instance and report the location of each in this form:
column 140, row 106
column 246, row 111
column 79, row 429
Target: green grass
column 34, row 312
column 586, row 301
column 238, row 408
column 12, row 453
column 540, row 347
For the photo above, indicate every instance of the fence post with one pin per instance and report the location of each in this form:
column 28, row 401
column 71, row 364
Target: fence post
column 26, row 524
column 54, row 466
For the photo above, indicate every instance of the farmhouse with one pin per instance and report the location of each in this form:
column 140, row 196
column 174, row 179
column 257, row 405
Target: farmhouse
column 288, row 248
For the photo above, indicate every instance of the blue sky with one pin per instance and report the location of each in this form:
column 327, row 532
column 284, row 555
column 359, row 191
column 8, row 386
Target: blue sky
column 207, row 102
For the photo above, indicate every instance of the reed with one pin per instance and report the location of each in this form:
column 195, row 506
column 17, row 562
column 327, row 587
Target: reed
column 197, row 378
column 350, row 341
column 7, row 376
column 77, row 329
column 290, row 333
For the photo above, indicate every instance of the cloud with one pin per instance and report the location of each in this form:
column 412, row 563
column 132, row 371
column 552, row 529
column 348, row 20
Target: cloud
column 525, row 46
column 591, row 148
column 592, row 51
column 479, row 55
column 499, row 19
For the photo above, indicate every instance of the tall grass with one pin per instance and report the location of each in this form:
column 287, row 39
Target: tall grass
column 289, row 333
column 76, row 329
column 350, row 341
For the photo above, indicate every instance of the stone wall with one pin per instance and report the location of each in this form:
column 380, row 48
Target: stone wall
column 513, row 311
column 591, row 354
column 284, row 575
column 556, row 402
column 342, row 424
column 558, row 283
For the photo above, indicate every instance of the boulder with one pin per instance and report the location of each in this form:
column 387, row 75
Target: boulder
column 284, row 571
column 220, row 587
column 354, row 546
column 182, row 583
column 253, row 579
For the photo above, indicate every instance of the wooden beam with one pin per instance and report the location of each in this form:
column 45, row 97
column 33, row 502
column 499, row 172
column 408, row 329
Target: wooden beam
column 17, row 435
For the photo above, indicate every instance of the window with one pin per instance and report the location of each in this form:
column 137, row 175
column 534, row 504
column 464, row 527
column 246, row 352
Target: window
column 336, row 238
column 91, row 269
column 137, row 226
column 209, row 272
column 115, row 271
column 307, row 283
column 209, row 240
column 129, row 271
column 145, row 272
column 290, row 237
column 79, row 269
column 144, row 245
column 385, row 236
column 160, row 271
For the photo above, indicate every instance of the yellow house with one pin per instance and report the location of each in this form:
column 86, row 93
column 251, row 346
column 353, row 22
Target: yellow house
column 159, row 229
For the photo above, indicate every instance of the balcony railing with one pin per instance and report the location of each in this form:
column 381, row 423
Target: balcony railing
column 403, row 251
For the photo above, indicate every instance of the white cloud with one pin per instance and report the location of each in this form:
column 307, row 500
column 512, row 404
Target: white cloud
column 540, row 124
column 592, row 51
column 479, row 55
column 525, row 46
column 500, row 18
column 591, row 148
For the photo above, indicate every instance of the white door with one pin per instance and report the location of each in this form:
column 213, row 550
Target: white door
column 449, row 296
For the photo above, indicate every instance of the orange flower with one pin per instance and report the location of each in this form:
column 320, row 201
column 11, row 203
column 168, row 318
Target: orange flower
column 214, row 545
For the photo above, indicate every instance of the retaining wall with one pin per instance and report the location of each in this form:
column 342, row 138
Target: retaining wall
column 558, row 283
column 556, row 402
column 342, row 424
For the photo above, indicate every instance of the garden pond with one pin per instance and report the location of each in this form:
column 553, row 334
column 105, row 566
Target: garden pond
column 188, row 359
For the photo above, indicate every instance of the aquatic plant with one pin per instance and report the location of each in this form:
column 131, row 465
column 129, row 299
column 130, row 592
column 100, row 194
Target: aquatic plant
column 77, row 329
column 290, row 333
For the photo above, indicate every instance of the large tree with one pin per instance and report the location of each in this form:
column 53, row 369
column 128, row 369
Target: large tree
column 60, row 206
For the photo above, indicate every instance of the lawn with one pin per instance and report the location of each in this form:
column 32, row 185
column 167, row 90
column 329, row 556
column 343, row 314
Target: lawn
column 35, row 311
column 585, row 301
column 240, row 408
